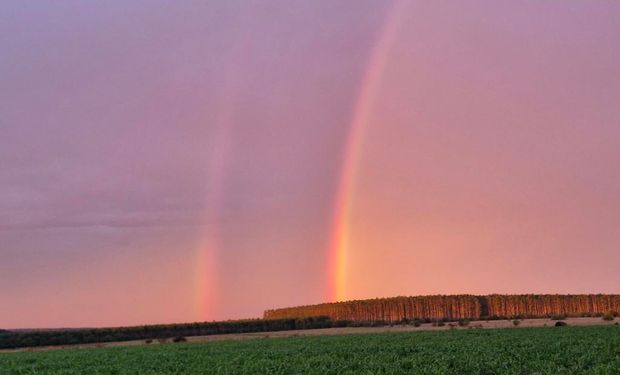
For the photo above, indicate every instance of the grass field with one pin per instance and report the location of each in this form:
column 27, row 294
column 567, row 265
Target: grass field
column 561, row 350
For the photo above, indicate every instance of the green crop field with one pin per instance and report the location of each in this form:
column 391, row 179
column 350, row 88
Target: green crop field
column 561, row 350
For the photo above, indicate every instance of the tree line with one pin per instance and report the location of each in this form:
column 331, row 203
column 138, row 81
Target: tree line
column 456, row 307
column 21, row 338
column 371, row 312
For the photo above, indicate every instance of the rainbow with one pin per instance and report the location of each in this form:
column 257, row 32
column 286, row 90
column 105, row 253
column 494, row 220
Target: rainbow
column 208, row 250
column 340, row 231
column 206, row 277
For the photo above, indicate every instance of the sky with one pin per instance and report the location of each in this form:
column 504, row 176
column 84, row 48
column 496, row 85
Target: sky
column 170, row 162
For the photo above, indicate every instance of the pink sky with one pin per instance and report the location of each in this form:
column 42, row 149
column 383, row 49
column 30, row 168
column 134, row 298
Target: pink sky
column 171, row 162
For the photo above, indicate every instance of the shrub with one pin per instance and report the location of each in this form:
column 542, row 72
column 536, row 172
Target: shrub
column 417, row 323
column 560, row 324
column 516, row 322
column 463, row 322
column 148, row 341
column 608, row 316
column 179, row 339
